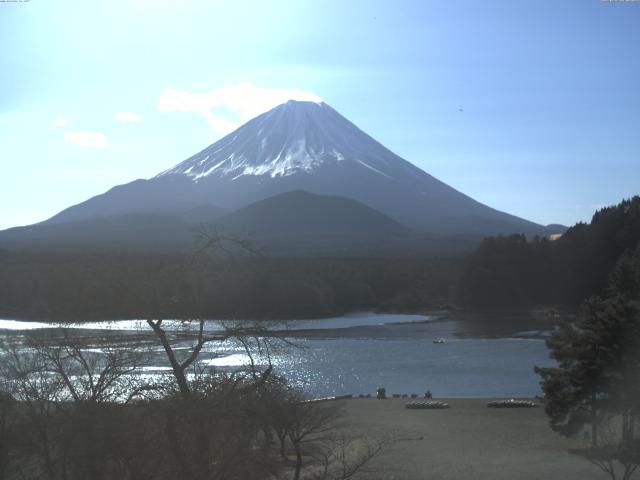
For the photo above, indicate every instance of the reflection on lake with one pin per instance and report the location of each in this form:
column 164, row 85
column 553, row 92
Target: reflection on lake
column 481, row 356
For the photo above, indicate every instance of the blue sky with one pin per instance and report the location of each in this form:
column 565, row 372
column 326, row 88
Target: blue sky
column 94, row 94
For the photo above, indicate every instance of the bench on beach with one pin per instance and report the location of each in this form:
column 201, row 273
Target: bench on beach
column 511, row 403
column 426, row 405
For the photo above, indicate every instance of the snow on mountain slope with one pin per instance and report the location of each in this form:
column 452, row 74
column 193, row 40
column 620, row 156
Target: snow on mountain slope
column 296, row 137
column 304, row 146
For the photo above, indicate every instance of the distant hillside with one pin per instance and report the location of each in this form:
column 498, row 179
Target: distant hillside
column 134, row 233
column 294, row 223
column 514, row 272
column 301, row 223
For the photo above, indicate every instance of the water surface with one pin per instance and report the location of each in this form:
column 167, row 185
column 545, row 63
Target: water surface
column 481, row 356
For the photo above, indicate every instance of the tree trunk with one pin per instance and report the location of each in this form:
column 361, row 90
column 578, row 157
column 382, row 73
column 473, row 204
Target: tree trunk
column 46, row 454
column 175, row 446
column 594, row 421
column 4, row 445
column 626, row 429
column 282, row 439
column 178, row 370
column 296, row 475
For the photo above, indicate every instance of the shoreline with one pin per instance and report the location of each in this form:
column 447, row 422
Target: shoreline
column 543, row 313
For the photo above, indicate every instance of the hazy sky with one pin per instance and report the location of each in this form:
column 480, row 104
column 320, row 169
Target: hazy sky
column 94, row 94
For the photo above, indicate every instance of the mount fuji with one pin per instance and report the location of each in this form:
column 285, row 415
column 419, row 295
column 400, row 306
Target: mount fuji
column 303, row 147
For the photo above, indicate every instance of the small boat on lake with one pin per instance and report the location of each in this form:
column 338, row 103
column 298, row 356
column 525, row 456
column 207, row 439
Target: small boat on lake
column 439, row 340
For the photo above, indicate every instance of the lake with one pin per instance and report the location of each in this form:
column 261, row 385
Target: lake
column 481, row 356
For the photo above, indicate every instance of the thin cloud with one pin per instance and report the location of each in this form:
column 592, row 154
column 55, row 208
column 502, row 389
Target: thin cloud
column 86, row 139
column 59, row 122
column 127, row 117
column 228, row 107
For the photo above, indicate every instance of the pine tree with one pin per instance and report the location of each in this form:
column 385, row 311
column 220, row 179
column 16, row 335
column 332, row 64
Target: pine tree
column 597, row 378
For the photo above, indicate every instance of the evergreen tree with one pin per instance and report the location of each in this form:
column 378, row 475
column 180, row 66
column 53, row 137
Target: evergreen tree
column 597, row 379
column 518, row 272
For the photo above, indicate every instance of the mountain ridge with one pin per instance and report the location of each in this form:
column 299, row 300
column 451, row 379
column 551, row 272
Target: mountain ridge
column 292, row 223
column 310, row 147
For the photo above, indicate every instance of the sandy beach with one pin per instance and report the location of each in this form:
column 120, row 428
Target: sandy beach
column 467, row 441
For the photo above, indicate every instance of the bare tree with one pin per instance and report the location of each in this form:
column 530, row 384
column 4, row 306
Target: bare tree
column 310, row 432
column 26, row 379
column 345, row 457
column 7, row 404
column 67, row 406
column 311, row 425
column 619, row 458
column 180, row 366
column 105, row 374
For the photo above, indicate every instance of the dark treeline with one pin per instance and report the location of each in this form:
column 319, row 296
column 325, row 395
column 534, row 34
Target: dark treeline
column 85, row 287
column 504, row 272
column 513, row 272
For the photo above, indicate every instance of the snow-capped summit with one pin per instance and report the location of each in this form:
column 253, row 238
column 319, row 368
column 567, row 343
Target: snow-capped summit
column 295, row 137
column 302, row 146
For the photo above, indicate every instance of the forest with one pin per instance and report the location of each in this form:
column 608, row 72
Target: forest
column 514, row 272
column 93, row 287
column 510, row 272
